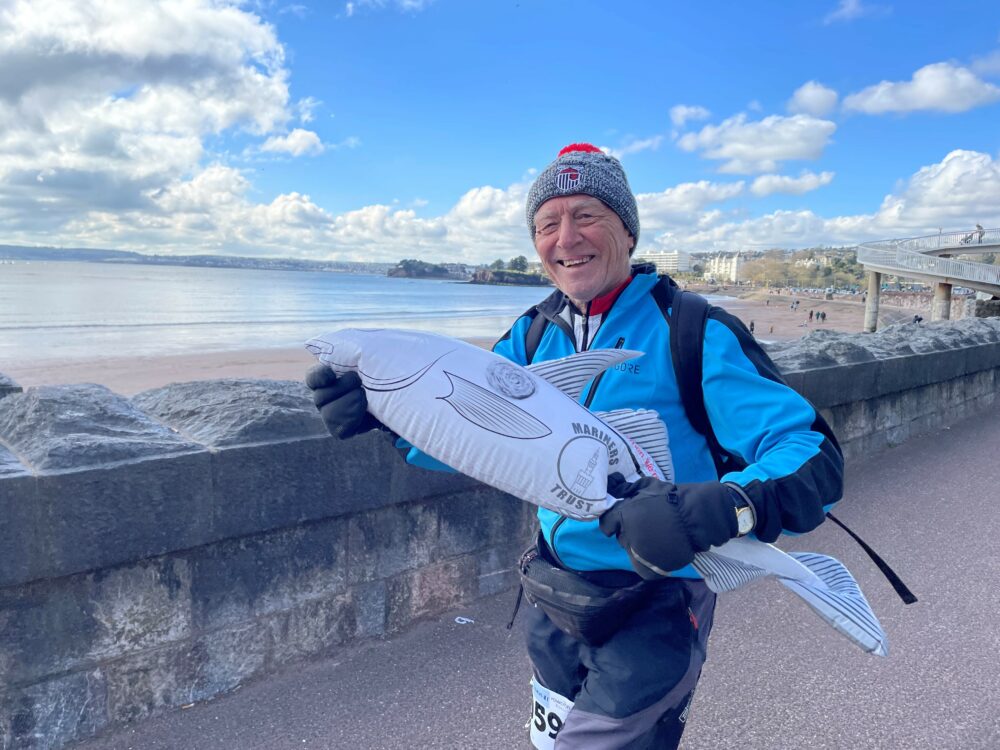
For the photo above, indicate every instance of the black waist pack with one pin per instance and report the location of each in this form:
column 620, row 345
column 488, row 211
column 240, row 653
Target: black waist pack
column 584, row 610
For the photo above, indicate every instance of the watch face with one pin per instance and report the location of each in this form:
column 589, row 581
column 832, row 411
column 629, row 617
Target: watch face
column 744, row 521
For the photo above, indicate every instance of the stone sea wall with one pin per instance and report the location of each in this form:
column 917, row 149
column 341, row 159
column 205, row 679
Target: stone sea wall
column 164, row 549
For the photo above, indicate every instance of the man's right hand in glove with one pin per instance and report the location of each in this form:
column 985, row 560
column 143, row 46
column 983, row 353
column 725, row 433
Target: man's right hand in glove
column 341, row 402
column 661, row 527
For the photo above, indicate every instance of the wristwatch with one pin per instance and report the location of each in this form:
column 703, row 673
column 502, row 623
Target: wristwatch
column 746, row 519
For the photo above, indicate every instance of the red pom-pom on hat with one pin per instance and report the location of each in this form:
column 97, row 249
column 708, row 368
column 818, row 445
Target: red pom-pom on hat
column 585, row 147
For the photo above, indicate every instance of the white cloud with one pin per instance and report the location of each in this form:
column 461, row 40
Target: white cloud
column 955, row 193
column 108, row 102
column 680, row 204
column 681, row 114
column 849, row 10
column 636, row 146
column 813, row 98
column 407, row 6
column 759, row 146
column 944, row 87
column 768, row 184
column 297, row 143
column 299, row 11
column 306, row 109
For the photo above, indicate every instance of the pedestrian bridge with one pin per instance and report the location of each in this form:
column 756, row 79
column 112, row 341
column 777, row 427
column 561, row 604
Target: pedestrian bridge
column 927, row 259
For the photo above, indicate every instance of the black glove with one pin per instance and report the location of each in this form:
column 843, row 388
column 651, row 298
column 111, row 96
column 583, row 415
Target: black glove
column 662, row 526
column 341, row 402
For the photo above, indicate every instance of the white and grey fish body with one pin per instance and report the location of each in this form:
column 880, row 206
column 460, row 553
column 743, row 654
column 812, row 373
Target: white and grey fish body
column 515, row 428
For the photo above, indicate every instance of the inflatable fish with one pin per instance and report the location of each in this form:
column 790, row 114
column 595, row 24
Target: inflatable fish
column 519, row 429
column 523, row 431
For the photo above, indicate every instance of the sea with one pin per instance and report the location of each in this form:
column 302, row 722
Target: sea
column 52, row 310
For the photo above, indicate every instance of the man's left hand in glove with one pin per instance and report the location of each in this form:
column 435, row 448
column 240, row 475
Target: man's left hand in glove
column 662, row 527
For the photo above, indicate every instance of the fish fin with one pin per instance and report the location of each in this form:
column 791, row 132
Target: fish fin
column 492, row 412
column 840, row 602
column 570, row 374
column 646, row 428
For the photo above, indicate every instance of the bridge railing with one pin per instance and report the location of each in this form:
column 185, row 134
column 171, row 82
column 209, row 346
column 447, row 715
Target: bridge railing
column 908, row 260
column 958, row 240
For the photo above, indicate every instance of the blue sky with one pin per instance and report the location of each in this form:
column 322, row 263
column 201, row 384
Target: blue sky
column 410, row 128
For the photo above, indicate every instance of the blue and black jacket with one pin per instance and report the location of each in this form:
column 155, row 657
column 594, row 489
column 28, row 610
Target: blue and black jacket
column 794, row 467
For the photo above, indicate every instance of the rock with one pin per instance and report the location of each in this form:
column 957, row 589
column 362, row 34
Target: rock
column 76, row 426
column 8, row 386
column 828, row 348
column 235, row 411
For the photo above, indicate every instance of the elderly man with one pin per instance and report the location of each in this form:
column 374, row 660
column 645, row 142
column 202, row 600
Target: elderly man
column 624, row 675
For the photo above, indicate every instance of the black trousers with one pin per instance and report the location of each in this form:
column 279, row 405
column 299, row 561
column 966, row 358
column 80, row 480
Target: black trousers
column 634, row 690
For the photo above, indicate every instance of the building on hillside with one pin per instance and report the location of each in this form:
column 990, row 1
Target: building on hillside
column 724, row 267
column 535, row 266
column 667, row 261
column 817, row 261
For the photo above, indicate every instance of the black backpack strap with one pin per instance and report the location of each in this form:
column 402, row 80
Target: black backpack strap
column 687, row 314
column 534, row 335
column 901, row 588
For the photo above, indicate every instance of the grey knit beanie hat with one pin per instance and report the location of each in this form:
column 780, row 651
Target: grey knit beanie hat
column 583, row 168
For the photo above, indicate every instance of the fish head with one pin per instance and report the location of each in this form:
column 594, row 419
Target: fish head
column 379, row 353
column 340, row 350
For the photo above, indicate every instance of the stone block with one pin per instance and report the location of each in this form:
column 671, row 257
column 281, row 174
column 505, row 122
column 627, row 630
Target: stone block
column 830, row 386
column 313, row 628
column 53, row 713
column 477, row 519
column 64, row 625
column 59, row 428
column 497, row 568
column 238, row 580
column 235, row 411
column 412, row 483
column 105, row 516
column 370, row 607
column 386, row 541
column 228, row 658
column 430, row 590
column 899, row 434
column 142, row 684
column 305, row 480
column 24, row 548
column 983, row 357
column 888, row 412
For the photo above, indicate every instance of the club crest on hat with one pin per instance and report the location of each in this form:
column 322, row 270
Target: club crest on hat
column 566, row 179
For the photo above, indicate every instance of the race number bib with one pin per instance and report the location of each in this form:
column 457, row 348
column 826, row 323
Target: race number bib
column 548, row 714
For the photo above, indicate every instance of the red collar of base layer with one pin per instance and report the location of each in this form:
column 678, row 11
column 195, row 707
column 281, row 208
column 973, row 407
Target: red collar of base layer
column 600, row 305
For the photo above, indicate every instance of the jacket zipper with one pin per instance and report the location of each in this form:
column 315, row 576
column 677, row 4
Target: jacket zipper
column 590, row 397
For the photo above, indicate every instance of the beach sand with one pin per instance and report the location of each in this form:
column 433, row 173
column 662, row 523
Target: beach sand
column 773, row 321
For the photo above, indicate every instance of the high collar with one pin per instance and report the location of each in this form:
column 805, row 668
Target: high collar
column 600, row 305
column 556, row 302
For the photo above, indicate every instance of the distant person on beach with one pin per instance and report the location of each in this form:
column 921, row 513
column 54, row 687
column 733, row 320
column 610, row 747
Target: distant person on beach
column 609, row 674
column 751, row 326
column 810, row 316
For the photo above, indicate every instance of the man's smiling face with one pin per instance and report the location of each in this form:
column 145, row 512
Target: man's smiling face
column 583, row 245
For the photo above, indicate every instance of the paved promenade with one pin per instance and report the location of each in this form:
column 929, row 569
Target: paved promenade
column 776, row 677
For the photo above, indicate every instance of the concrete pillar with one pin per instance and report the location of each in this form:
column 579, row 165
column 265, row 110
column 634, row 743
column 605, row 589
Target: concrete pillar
column 941, row 306
column 871, row 304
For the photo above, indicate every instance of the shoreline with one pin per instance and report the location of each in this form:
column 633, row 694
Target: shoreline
column 773, row 319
